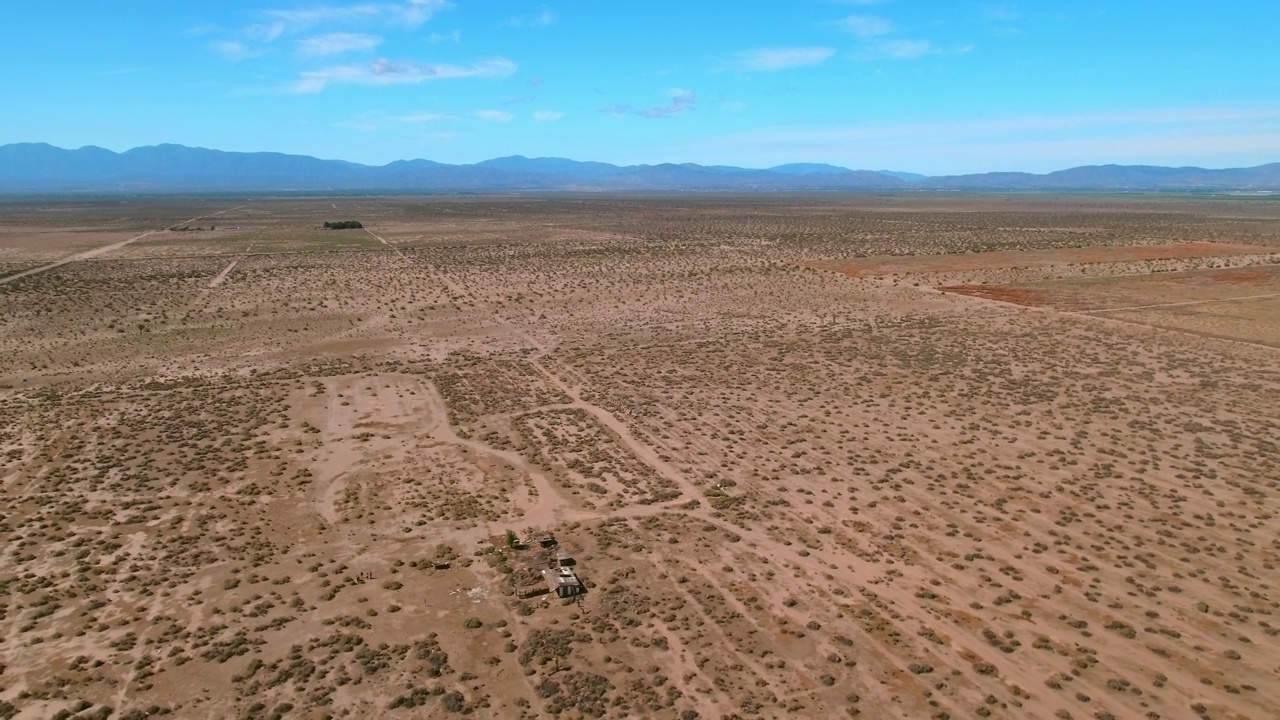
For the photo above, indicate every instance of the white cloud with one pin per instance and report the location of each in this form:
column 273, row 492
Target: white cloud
column 264, row 32
column 386, row 72
column 1000, row 13
column 273, row 24
column 782, row 58
column 733, row 106
column 420, row 11
column 295, row 20
column 547, row 115
column 375, row 121
column 500, row 116
column 202, row 29
column 904, row 49
column 422, row 117
column 872, row 29
column 454, row 37
column 335, row 43
column 411, row 13
column 546, row 18
column 233, row 50
column 866, row 25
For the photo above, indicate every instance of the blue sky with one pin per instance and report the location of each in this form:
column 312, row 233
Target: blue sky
column 932, row 87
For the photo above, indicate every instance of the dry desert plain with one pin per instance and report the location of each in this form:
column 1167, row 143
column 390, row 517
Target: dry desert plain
column 932, row 456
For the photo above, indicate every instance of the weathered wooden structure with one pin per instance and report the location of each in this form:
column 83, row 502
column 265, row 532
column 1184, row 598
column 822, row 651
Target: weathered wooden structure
column 563, row 582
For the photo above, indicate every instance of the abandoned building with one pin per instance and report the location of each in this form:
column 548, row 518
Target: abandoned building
column 563, row 582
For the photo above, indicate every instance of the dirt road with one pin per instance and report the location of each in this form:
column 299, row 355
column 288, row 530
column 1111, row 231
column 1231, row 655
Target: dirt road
column 88, row 254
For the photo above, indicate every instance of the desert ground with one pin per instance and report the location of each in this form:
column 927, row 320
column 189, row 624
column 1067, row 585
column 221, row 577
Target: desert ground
column 906, row 456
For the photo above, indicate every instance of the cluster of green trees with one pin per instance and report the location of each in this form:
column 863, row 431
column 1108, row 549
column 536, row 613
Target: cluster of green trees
column 344, row 225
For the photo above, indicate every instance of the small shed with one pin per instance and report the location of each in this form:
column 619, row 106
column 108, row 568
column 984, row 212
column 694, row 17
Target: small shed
column 563, row 582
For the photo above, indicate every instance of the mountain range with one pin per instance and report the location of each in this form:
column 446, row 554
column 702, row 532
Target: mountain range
column 43, row 168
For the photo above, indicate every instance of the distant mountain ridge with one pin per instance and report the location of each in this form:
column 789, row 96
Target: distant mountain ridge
column 40, row 167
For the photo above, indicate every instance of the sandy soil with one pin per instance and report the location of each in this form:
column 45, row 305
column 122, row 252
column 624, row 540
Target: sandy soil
column 269, row 471
column 1019, row 259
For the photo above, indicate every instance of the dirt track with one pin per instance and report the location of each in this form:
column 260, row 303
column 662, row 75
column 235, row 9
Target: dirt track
column 99, row 252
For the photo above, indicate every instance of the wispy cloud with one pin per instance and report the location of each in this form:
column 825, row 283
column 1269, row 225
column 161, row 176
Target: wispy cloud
column 547, row 115
column 278, row 22
column 1001, row 13
column 454, row 37
column 306, row 18
column 546, row 18
column 202, row 29
column 781, row 58
column 682, row 101
column 411, row 13
column 903, row 49
column 423, row 117
column 271, row 25
column 909, row 50
column 386, row 72
column 420, row 11
column 1002, row 18
column 500, row 116
column 873, row 31
column 733, row 106
column 233, row 50
column 866, row 25
column 335, row 43
column 375, row 121
column 264, row 32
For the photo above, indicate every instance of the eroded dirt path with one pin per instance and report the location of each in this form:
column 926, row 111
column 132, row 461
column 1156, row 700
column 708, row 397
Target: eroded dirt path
column 383, row 240
column 222, row 276
column 549, row 507
column 419, row 425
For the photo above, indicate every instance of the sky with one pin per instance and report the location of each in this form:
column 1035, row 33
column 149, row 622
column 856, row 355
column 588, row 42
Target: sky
column 911, row 85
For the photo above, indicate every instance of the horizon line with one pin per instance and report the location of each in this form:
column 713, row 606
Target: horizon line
column 636, row 165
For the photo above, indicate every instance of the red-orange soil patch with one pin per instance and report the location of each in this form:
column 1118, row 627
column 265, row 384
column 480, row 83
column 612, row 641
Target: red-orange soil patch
column 1003, row 293
column 909, row 264
column 1087, row 294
